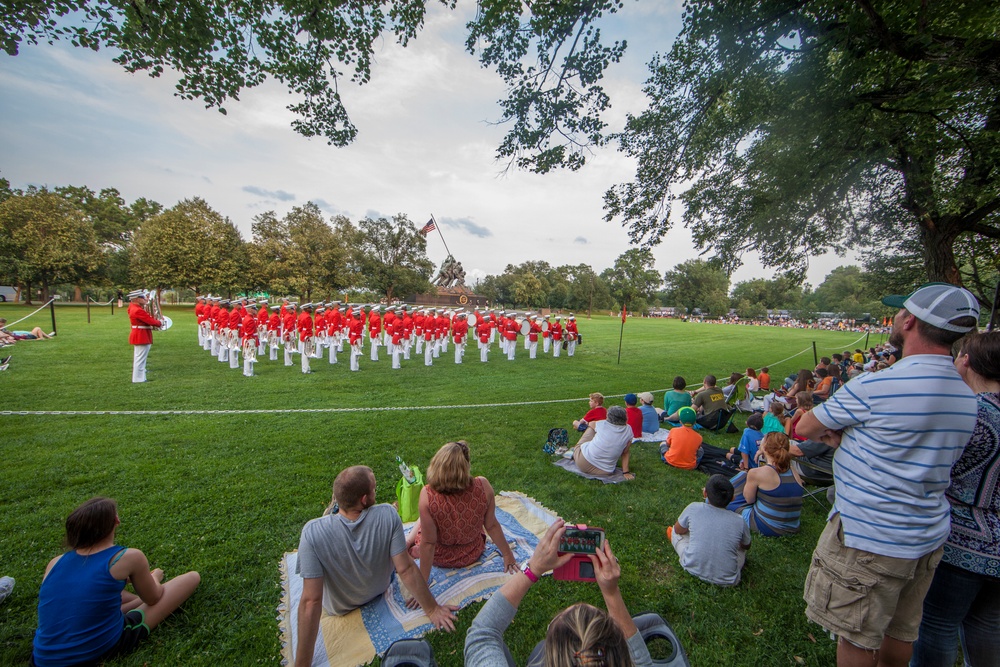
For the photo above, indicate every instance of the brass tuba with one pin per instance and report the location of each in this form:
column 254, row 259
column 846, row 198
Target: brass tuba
column 153, row 308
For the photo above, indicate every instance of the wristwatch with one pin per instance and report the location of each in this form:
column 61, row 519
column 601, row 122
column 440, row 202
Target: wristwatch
column 532, row 577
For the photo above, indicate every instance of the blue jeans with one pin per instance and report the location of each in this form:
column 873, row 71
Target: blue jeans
column 959, row 604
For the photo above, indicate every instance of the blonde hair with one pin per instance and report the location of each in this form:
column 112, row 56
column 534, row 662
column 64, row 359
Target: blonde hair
column 585, row 635
column 775, row 445
column 449, row 470
column 804, row 400
column 597, row 397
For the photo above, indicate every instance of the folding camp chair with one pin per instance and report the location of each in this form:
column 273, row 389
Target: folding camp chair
column 652, row 627
column 819, row 476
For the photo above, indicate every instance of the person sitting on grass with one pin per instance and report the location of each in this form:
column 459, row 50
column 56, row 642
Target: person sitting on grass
column 633, row 414
column 709, row 403
column 774, row 419
column 603, row 444
column 805, row 404
column 765, row 379
column 596, row 413
column 711, row 542
column 10, row 337
column 745, row 455
column 824, row 387
column 85, row 615
column 753, row 384
column 675, row 399
column 578, row 635
column 457, row 511
column 650, row 418
column 770, row 497
column 731, row 385
column 682, row 448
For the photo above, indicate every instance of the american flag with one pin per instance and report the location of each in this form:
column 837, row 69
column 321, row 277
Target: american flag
column 428, row 228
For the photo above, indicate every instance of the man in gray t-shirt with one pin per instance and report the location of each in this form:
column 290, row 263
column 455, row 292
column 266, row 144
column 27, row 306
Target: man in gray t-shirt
column 347, row 559
column 711, row 541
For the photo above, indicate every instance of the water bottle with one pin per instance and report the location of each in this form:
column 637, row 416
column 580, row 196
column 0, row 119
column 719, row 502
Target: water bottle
column 405, row 469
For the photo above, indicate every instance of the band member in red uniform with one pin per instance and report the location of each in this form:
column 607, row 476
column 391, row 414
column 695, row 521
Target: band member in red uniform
column 459, row 332
column 557, row 336
column 546, row 336
column 249, row 339
column 222, row 330
column 141, row 336
column 484, row 329
column 511, row 330
column 288, row 335
column 356, row 333
column 418, row 324
column 319, row 331
column 305, row 325
column 430, row 331
column 274, row 332
column 374, row 331
column 394, row 327
column 536, row 328
column 333, row 330
column 235, row 327
column 262, row 319
column 408, row 334
column 571, row 335
column 199, row 316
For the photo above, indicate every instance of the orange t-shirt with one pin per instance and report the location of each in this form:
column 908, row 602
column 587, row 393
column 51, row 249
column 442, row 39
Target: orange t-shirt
column 684, row 442
column 765, row 380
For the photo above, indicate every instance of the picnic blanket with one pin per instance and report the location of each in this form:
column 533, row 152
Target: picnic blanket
column 659, row 436
column 570, row 465
column 355, row 639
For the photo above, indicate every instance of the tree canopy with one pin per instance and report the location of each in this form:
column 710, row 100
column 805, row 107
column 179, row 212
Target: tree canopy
column 807, row 124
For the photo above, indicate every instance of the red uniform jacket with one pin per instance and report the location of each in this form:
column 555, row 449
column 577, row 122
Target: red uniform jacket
column 459, row 330
column 357, row 329
column 274, row 322
column 374, row 324
column 305, row 326
column 288, row 322
column 249, row 327
column 483, row 329
column 571, row 330
column 142, row 325
column 536, row 329
column 556, row 331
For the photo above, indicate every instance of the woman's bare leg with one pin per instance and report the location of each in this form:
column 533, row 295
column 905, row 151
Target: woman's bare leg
column 175, row 592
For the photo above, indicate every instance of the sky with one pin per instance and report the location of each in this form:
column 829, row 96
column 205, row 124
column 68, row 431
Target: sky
column 426, row 146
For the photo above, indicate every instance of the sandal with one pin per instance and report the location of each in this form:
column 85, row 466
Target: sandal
column 627, row 476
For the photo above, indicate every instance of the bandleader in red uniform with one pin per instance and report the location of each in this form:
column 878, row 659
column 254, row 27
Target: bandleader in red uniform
column 141, row 336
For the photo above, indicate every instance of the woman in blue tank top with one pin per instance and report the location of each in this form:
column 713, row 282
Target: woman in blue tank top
column 85, row 615
column 770, row 497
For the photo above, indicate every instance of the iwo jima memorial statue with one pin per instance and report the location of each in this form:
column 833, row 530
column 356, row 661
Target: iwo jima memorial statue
column 451, row 290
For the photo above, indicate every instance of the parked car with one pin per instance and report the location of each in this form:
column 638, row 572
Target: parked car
column 8, row 293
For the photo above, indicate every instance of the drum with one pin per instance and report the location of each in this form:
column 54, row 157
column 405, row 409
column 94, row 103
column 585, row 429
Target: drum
column 472, row 319
column 525, row 327
column 545, row 325
column 165, row 323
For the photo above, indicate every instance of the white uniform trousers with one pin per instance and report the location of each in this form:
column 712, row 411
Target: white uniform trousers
column 396, row 352
column 459, row 351
column 571, row 347
column 234, row 358
column 355, row 356
column 556, row 348
column 223, row 353
column 333, row 353
column 305, row 363
column 288, row 355
column 532, row 349
column 429, row 354
column 139, row 354
column 436, row 348
column 511, row 348
column 546, row 341
column 274, row 353
column 484, row 350
column 406, row 349
column 527, row 343
column 247, row 367
column 374, row 348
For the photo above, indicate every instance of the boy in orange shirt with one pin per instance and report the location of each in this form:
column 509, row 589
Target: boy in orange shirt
column 682, row 448
column 765, row 379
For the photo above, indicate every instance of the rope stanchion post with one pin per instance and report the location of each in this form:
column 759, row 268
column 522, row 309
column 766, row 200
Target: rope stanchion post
column 866, row 341
column 52, row 310
column 815, row 358
column 88, row 309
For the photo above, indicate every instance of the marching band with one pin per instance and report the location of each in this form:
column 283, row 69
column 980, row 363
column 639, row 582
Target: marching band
column 229, row 328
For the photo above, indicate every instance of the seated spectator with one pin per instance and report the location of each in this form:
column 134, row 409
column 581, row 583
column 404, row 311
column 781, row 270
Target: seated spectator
column 650, row 418
column 858, row 357
column 604, row 443
column 633, row 414
column 682, row 448
column 805, row 404
column 85, row 615
column 765, row 379
column 596, row 413
column 10, row 337
column 578, row 635
column 347, row 557
column 745, row 455
column 712, row 542
column 804, row 381
column 675, row 399
column 457, row 512
column 732, row 385
column 709, row 401
column 854, row 371
column 963, row 602
column 824, row 387
column 774, row 419
column 753, row 384
column 770, row 497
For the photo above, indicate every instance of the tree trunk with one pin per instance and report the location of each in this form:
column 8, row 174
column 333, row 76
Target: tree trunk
column 938, row 239
column 28, row 291
column 77, row 293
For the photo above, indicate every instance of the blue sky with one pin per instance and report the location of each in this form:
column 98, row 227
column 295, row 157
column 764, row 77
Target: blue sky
column 426, row 145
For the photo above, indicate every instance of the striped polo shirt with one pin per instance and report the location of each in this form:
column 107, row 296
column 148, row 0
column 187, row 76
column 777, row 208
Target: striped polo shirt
column 903, row 427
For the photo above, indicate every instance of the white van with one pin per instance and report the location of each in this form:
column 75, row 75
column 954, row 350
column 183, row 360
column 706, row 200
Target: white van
column 7, row 293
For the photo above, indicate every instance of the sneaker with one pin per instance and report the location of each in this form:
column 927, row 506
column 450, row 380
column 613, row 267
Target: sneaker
column 568, row 454
column 52, row 334
column 6, row 586
column 560, row 450
column 5, row 360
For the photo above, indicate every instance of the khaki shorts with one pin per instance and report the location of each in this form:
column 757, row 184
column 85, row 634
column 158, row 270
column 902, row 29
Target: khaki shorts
column 861, row 596
column 586, row 466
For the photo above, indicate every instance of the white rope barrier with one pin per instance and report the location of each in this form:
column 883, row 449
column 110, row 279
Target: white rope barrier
column 30, row 314
column 98, row 303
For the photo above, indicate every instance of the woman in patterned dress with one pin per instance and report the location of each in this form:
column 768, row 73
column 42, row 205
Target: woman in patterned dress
column 964, row 598
column 457, row 512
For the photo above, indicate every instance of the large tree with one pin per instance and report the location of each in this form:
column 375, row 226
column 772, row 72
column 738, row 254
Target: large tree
column 806, row 123
column 45, row 240
column 698, row 283
column 391, row 257
column 633, row 279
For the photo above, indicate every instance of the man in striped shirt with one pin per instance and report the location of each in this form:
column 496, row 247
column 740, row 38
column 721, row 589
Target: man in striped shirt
column 897, row 434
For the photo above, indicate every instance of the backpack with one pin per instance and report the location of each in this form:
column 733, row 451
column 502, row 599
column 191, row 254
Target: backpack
column 409, row 653
column 558, row 437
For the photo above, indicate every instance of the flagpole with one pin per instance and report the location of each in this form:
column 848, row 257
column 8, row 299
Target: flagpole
column 621, row 334
column 438, row 227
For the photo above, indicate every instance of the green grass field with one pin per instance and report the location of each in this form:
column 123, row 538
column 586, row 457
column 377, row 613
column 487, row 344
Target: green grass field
column 228, row 494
